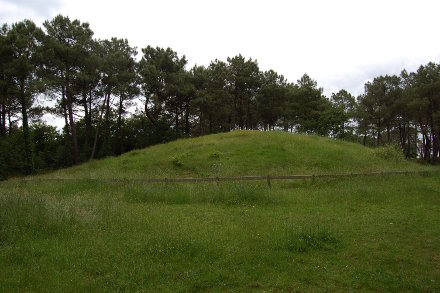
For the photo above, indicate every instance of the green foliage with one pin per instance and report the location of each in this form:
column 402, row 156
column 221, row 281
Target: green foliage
column 46, row 147
column 389, row 153
column 162, row 81
column 401, row 110
column 11, row 155
column 176, row 161
column 341, row 114
column 271, row 99
column 243, row 84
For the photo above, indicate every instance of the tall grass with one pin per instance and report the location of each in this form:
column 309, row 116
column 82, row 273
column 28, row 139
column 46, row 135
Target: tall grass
column 211, row 193
column 355, row 234
column 362, row 234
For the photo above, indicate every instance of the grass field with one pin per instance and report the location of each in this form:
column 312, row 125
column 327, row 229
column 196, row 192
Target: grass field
column 378, row 233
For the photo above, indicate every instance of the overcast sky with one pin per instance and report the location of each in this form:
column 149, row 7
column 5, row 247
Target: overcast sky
column 340, row 44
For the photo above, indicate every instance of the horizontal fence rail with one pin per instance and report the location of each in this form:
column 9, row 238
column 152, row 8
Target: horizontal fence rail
column 267, row 178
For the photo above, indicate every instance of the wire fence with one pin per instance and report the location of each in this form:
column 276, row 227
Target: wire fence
column 267, row 178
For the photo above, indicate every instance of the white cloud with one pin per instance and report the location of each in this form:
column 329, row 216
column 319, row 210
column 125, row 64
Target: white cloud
column 339, row 43
column 37, row 10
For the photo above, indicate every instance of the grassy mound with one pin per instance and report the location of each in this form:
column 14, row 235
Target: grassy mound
column 243, row 153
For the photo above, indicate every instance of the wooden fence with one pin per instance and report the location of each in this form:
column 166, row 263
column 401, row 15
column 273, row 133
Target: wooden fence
column 267, row 178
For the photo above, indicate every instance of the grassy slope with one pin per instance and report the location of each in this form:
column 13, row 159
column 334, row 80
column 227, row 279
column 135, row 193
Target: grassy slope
column 361, row 234
column 240, row 153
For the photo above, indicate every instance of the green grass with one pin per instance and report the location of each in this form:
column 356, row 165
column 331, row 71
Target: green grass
column 242, row 153
column 342, row 234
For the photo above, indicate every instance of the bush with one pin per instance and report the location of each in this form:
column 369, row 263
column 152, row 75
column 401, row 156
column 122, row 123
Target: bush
column 176, row 161
column 389, row 153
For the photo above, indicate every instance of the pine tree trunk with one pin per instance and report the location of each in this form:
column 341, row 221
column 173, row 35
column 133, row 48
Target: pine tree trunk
column 90, row 107
column 408, row 140
column 438, row 145
column 378, row 133
column 187, row 126
column 3, row 112
column 426, row 148
column 3, row 120
column 416, row 139
column 248, row 123
column 67, row 146
column 73, row 129
column 86, row 116
column 64, row 105
column 176, row 119
column 107, row 118
column 120, row 134
column 10, row 121
column 150, row 117
column 286, row 126
column 241, row 114
column 401, row 135
column 28, row 168
column 435, row 148
column 107, row 113
column 95, row 142
column 388, row 134
column 202, row 127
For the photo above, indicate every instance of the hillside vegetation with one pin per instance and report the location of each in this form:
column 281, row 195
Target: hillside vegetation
column 96, row 81
column 366, row 234
column 244, row 153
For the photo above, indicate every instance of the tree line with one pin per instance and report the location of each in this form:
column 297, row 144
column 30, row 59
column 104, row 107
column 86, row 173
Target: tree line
column 63, row 70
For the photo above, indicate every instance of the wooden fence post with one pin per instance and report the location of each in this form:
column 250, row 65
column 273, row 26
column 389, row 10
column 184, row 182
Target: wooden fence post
column 268, row 181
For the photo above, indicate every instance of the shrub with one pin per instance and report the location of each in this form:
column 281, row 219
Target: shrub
column 389, row 152
column 176, row 161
